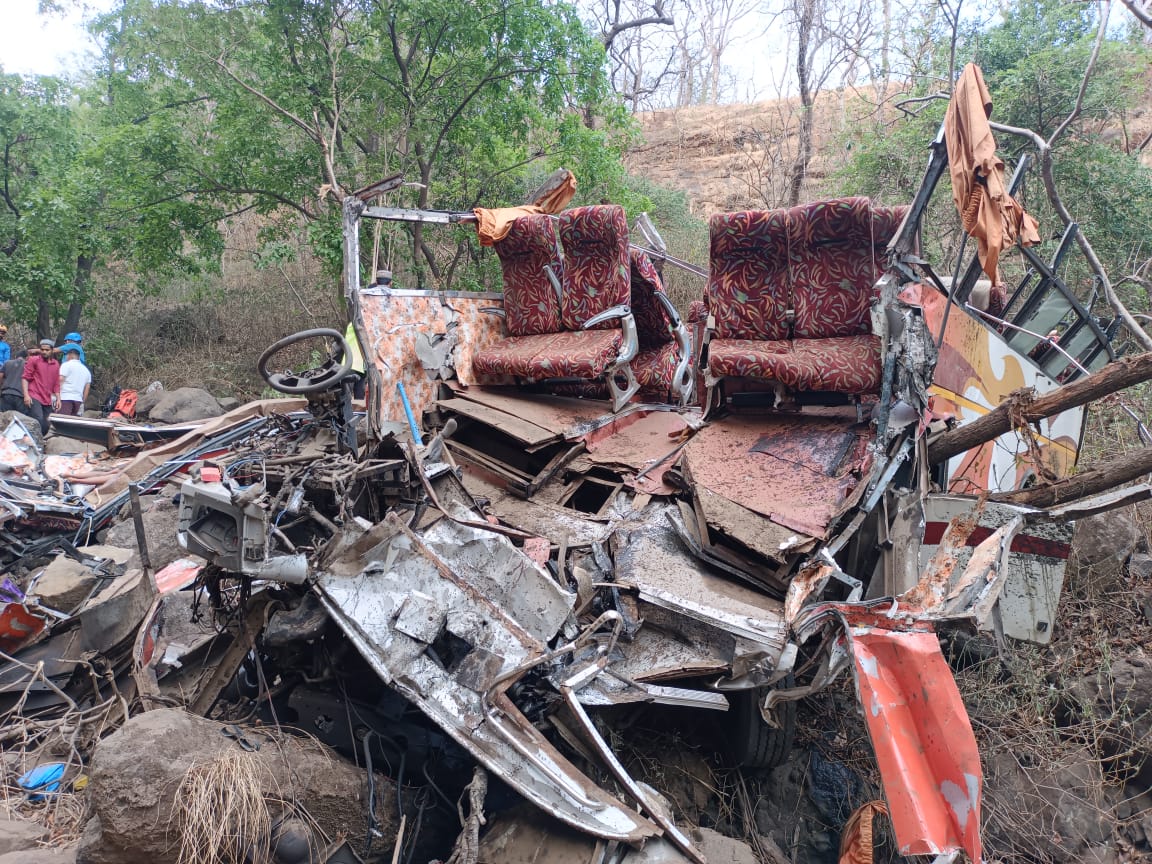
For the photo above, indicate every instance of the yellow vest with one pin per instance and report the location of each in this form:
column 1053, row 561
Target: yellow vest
column 354, row 345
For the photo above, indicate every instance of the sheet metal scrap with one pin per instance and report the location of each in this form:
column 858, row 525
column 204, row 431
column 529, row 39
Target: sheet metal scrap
column 427, row 627
column 925, row 748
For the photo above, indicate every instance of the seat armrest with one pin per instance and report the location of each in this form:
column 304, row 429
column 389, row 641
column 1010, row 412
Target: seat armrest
column 607, row 315
column 669, row 309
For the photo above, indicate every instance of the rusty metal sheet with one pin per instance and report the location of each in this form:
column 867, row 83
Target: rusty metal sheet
column 541, row 518
column 799, row 470
column 1033, row 572
column 395, row 321
column 925, row 749
column 757, row 532
column 522, row 430
column 460, row 680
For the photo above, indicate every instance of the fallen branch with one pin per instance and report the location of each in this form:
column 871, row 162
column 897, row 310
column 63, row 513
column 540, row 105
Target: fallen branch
column 1103, row 476
column 1022, row 404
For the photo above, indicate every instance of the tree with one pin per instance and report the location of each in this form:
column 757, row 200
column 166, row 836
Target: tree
column 292, row 103
column 1063, row 85
column 86, row 180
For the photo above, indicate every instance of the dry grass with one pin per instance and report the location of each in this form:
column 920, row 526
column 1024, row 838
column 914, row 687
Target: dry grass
column 220, row 814
column 69, row 738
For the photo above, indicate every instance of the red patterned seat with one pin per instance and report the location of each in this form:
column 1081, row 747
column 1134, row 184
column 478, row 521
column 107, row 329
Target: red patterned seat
column 531, row 303
column 790, row 295
column 663, row 366
column 841, row 364
column 589, row 333
column 551, row 355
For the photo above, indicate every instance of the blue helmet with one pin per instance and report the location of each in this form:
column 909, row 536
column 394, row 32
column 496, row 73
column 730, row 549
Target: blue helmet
column 73, row 337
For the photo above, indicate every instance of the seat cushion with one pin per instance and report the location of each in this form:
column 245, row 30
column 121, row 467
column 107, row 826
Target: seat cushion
column 845, row 364
column 531, row 304
column 596, row 271
column 554, row 355
column 654, row 368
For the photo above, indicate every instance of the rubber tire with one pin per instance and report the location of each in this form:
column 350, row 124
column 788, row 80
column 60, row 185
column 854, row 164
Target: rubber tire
column 752, row 744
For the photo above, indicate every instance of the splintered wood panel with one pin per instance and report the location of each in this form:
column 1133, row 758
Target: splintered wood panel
column 796, row 469
column 759, row 533
column 559, row 414
column 522, row 430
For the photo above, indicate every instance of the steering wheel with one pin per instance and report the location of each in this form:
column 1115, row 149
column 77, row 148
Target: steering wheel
column 316, row 380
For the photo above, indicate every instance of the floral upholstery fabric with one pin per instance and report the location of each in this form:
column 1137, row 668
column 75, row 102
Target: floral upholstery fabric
column 552, row 355
column 820, row 260
column 697, row 312
column 651, row 324
column 531, row 305
column 654, row 369
column 845, row 364
column 749, row 280
column 596, row 272
column 838, row 255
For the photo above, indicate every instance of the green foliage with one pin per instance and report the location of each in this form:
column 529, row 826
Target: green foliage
column 1033, row 59
column 281, row 100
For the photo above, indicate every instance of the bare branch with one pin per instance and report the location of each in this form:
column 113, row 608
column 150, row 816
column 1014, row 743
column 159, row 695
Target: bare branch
column 1142, row 15
column 1078, row 107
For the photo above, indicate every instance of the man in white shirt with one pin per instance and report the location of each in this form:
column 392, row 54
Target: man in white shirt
column 75, row 380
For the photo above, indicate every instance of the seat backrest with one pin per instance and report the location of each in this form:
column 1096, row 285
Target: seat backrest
column 837, row 256
column 531, row 306
column 596, row 271
column 748, row 283
column 651, row 324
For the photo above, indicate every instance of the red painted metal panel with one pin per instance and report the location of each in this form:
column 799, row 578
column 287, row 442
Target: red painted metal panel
column 923, row 740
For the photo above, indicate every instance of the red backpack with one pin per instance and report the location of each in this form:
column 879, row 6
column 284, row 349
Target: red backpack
column 125, row 407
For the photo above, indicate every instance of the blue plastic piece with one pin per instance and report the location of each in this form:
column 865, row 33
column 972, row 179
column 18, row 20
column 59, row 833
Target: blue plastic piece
column 408, row 413
column 42, row 779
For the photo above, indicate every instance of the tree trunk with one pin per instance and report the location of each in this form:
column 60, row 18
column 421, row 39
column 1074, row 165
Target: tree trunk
column 1105, row 475
column 805, row 12
column 43, row 319
column 80, row 283
column 1115, row 376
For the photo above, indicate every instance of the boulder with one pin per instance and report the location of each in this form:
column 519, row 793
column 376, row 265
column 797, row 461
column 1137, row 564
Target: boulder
column 161, row 515
column 64, row 584
column 184, row 405
column 1101, row 547
column 17, row 835
column 136, row 771
column 148, row 398
column 1140, row 566
column 1054, row 812
column 40, row 856
column 228, row 403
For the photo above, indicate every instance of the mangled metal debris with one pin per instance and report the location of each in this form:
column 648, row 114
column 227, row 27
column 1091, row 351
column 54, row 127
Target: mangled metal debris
column 500, row 555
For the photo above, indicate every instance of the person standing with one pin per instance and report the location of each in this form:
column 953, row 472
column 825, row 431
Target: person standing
column 41, row 380
column 72, row 342
column 11, row 388
column 5, row 348
column 75, row 380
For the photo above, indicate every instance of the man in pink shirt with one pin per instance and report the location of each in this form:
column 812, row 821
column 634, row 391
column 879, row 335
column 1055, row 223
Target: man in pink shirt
column 42, row 383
